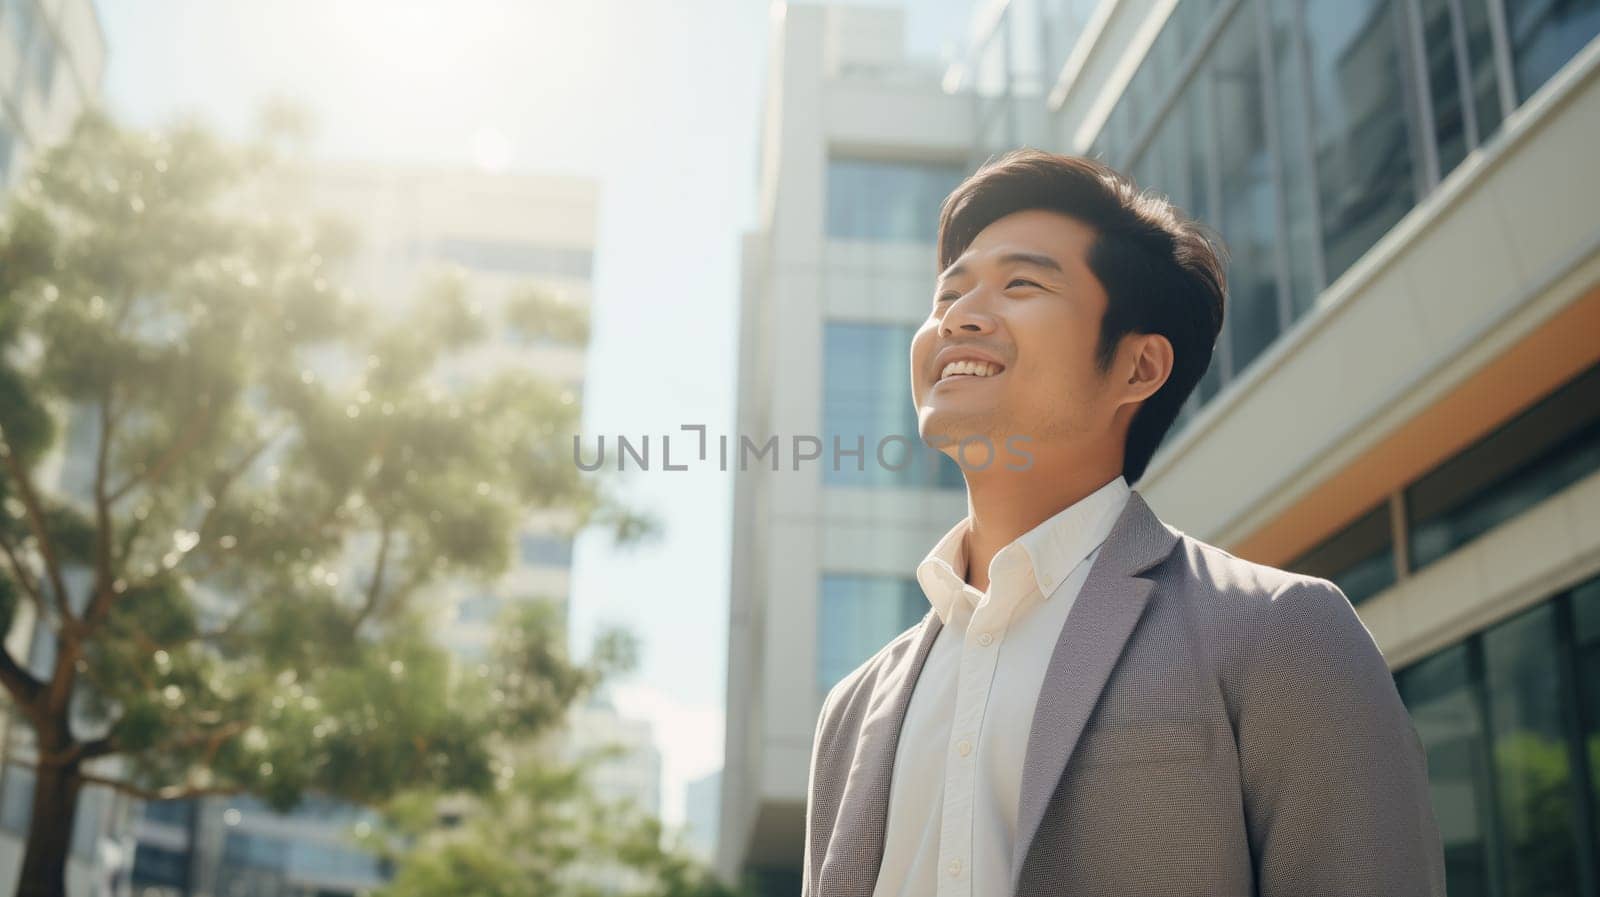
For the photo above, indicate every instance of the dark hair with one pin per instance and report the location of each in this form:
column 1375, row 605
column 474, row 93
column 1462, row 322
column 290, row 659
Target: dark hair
column 1162, row 271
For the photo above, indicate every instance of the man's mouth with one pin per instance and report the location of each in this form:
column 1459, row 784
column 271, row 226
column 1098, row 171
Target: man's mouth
column 968, row 370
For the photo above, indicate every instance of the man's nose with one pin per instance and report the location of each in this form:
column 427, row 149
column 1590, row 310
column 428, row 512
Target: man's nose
column 968, row 315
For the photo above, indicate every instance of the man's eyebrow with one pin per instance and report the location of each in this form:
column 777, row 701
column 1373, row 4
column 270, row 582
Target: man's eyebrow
column 1035, row 259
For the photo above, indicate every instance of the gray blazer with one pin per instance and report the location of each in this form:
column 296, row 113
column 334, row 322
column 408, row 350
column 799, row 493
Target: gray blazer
column 1207, row 726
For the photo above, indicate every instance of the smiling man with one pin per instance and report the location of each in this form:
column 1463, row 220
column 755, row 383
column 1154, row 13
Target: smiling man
column 1095, row 702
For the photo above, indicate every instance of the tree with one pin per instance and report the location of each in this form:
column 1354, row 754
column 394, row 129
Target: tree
column 260, row 479
column 542, row 832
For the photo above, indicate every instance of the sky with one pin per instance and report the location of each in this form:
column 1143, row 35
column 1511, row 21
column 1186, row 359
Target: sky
column 657, row 100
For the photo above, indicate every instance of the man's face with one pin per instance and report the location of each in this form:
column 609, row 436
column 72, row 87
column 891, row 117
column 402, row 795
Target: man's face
column 1023, row 298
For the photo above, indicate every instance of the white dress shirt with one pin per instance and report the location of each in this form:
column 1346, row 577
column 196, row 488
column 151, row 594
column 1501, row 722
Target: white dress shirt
column 958, row 765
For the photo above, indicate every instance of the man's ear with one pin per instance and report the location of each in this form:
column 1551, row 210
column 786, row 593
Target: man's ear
column 1144, row 367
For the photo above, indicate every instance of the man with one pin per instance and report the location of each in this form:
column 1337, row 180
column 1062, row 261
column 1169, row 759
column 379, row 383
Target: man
column 1097, row 704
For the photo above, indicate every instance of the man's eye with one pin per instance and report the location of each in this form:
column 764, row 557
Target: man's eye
column 947, row 297
column 1021, row 280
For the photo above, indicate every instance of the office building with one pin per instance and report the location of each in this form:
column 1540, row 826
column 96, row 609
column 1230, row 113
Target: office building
column 1408, row 195
column 52, row 61
column 702, row 811
column 629, row 776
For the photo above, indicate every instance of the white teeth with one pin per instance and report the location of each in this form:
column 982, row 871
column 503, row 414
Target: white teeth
column 975, row 368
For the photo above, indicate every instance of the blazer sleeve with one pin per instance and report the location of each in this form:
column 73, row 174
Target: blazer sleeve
column 1334, row 775
column 811, row 864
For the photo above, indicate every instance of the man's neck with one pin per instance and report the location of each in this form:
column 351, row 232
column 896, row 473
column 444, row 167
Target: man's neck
column 1003, row 504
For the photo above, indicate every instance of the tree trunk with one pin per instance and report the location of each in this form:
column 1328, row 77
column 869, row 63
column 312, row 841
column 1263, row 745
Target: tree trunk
column 55, row 803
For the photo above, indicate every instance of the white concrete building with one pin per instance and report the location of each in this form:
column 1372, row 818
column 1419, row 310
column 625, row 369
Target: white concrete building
column 632, row 776
column 702, row 812
column 859, row 145
column 1405, row 398
column 52, row 59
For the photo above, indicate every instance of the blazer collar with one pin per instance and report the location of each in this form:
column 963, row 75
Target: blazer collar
column 1107, row 607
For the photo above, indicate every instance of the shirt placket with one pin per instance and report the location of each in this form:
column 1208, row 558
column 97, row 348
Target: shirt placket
column 980, row 651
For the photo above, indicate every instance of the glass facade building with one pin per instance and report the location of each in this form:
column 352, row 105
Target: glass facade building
column 1304, row 130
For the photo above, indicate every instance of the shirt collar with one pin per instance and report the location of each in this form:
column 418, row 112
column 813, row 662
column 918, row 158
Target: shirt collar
column 1049, row 551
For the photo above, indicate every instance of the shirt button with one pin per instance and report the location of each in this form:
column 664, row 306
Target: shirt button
column 965, row 748
column 955, row 868
column 985, row 639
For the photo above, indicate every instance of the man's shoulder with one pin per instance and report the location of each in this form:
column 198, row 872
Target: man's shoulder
column 1206, row 571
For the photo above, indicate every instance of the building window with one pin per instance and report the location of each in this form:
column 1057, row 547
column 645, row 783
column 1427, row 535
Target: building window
column 507, row 257
column 16, row 799
column 178, row 813
column 1533, row 758
column 480, row 608
column 866, row 400
column 1359, row 559
column 1361, row 139
column 19, row 17
column 1509, row 724
column 887, row 201
column 44, row 65
column 1440, row 694
column 1545, row 34
column 859, row 614
column 7, row 141
column 251, row 851
column 1534, row 456
column 160, row 868
column 545, row 549
column 1248, row 198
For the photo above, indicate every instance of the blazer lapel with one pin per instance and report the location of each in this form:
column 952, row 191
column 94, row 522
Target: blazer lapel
column 855, row 850
column 1107, row 608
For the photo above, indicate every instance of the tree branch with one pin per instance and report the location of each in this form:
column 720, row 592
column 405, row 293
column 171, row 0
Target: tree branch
column 375, row 588
column 171, row 792
column 100, row 604
column 24, row 688
column 35, row 515
column 192, row 431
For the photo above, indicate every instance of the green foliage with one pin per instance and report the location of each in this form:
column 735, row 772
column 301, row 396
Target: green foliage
column 267, row 480
column 542, row 833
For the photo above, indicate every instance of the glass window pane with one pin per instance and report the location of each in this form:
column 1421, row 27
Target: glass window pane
column 866, row 400
column 1586, row 646
column 1532, row 457
column 5, row 150
column 1480, row 62
column 1438, row 693
column 889, row 201
column 1363, row 147
column 1249, row 199
column 1444, row 83
column 1545, row 34
column 1532, row 762
column 1294, row 140
column 16, row 798
column 545, row 549
column 859, row 614
column 158, row 867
